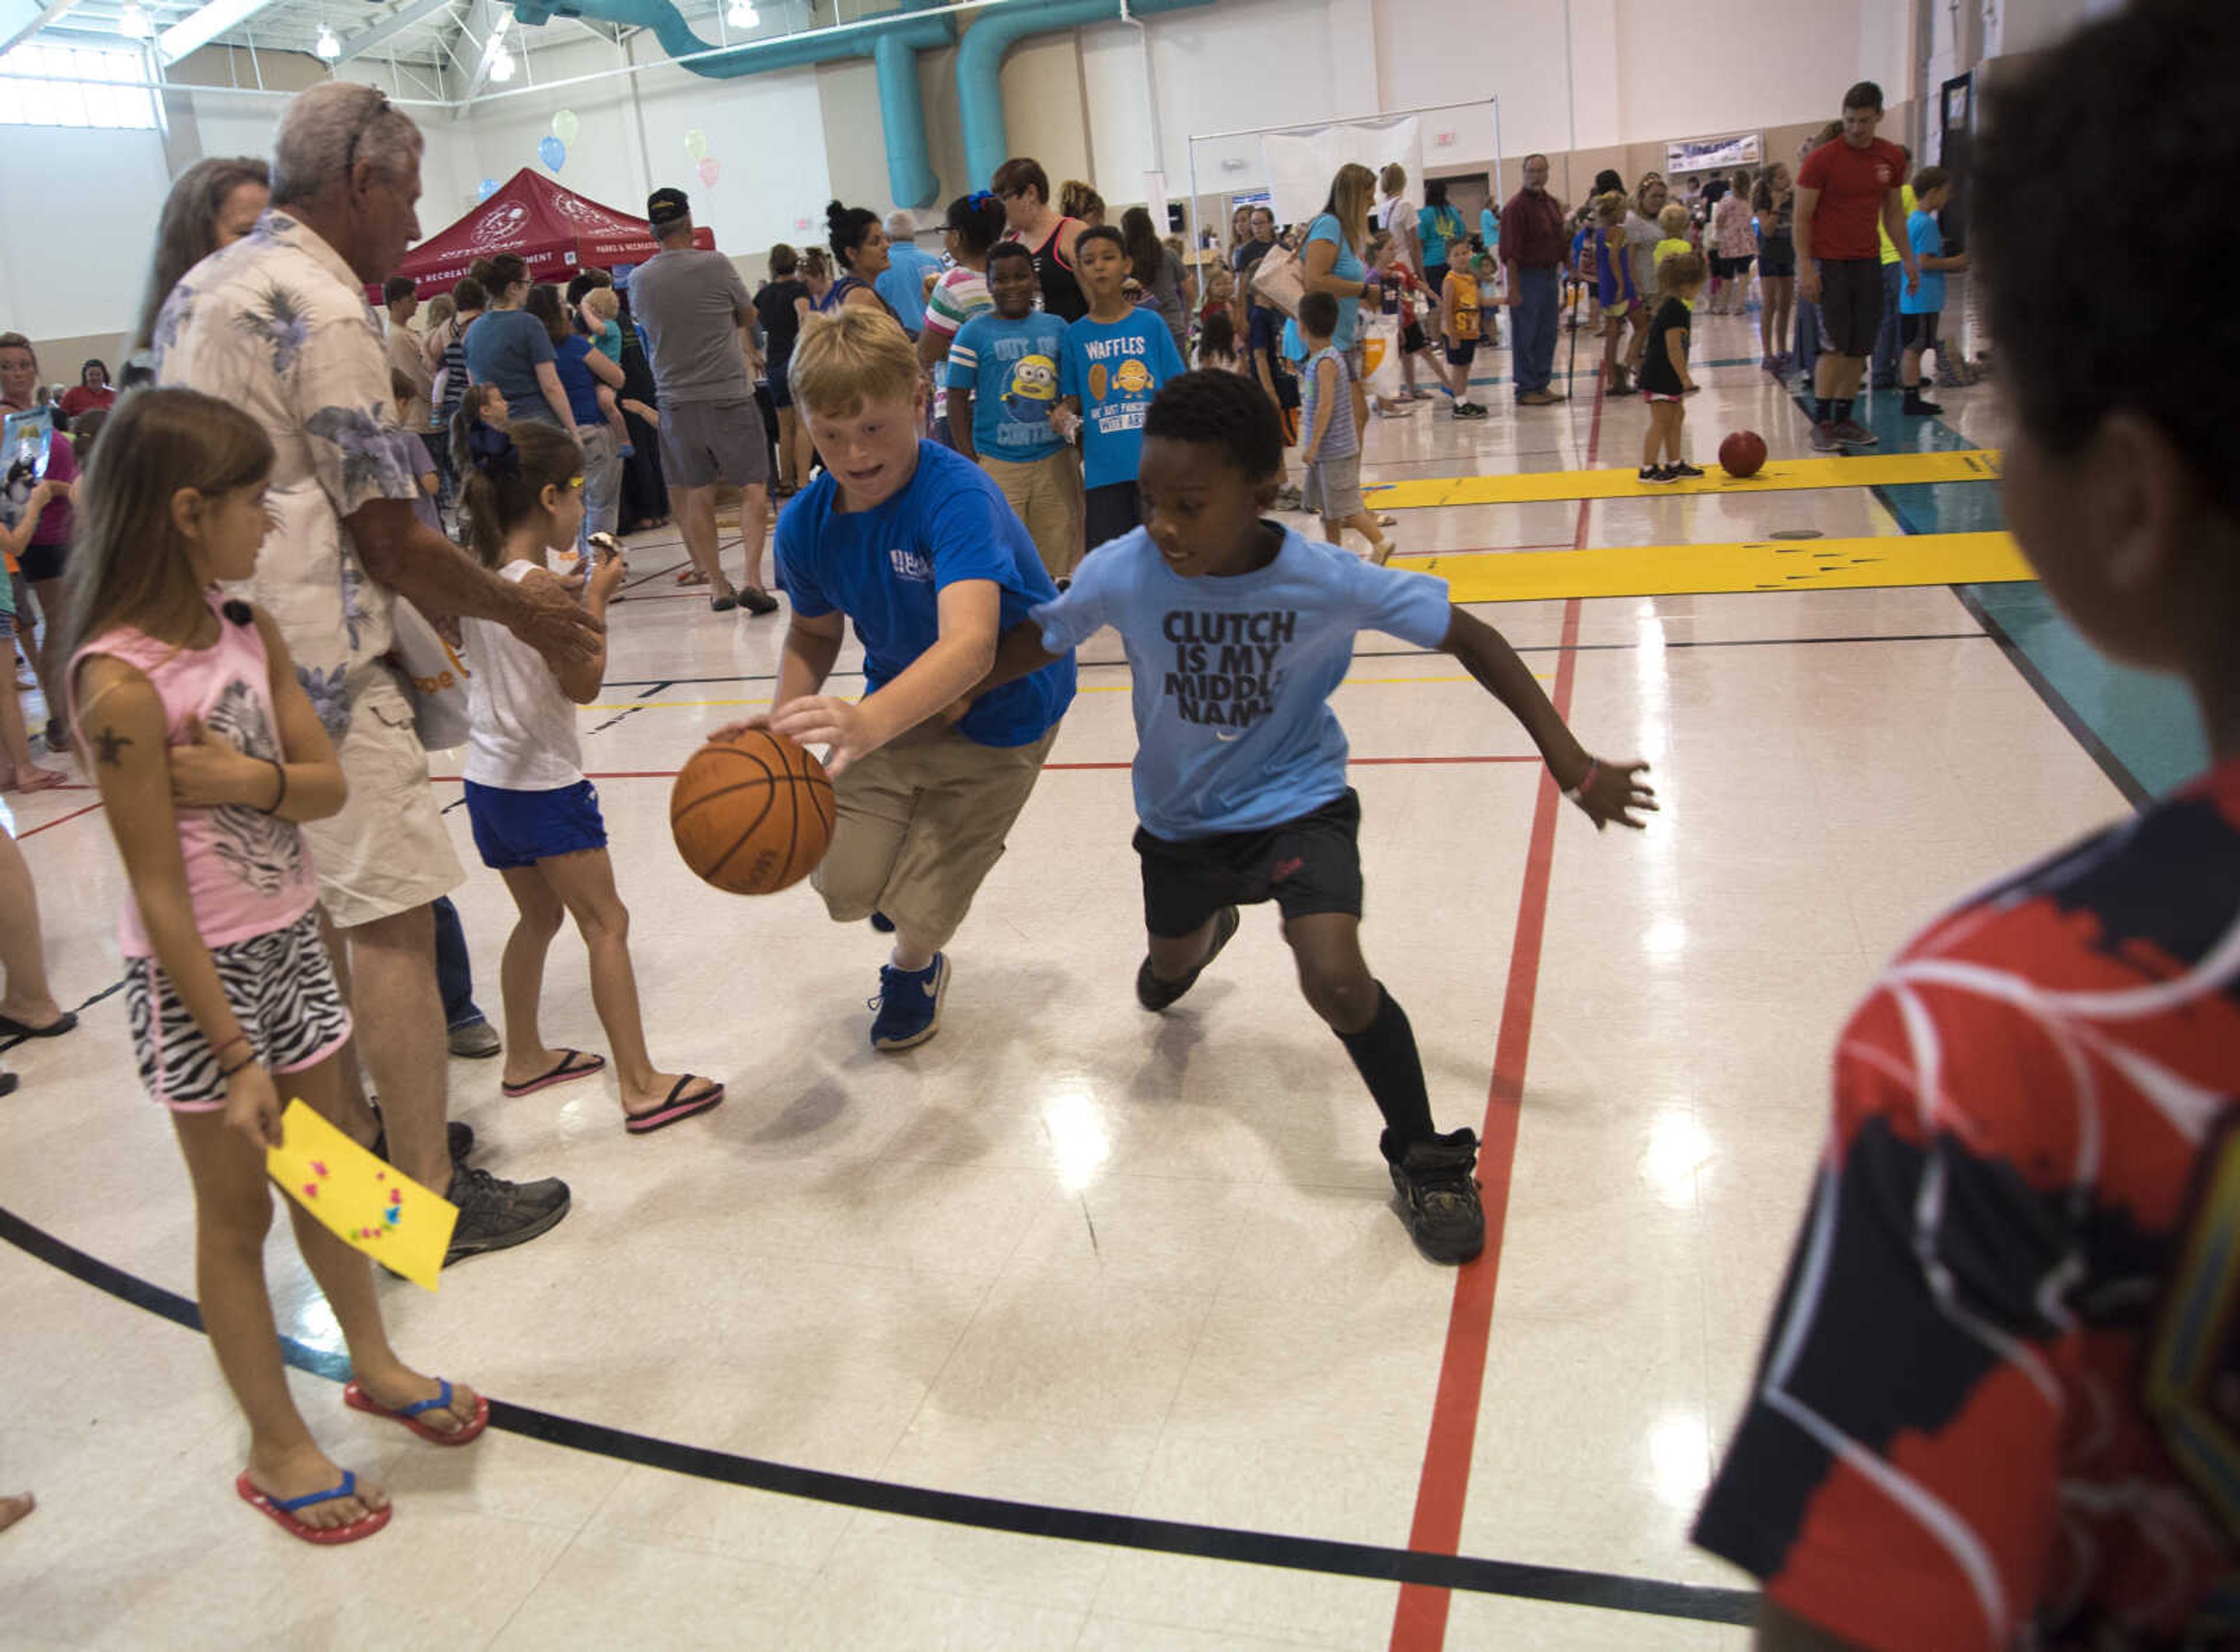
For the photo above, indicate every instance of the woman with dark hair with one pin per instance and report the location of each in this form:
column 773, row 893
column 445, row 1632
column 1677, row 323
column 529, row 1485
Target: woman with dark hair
column 91, row 393
column 513, row 350
column 781, row 305
column 859, row 253
column 1159, row 273
column 975, row 224
column 1439, row 230
column 645, row 490
column 1023, row 188
column 582, row 369
column 214, row 203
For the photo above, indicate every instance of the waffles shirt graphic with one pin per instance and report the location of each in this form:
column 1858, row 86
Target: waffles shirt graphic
column 1114, row 370
column 1232, row 677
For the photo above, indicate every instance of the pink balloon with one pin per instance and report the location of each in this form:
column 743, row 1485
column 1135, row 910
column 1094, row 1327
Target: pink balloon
column 710, row 171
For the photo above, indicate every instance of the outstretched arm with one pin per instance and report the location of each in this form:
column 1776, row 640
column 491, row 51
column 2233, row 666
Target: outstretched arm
column 1607, row 791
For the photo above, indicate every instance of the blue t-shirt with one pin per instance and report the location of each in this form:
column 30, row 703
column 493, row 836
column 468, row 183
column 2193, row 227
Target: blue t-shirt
column 902, row 284
column 505, row 349
column 1234, row 729
column 1438, row 229
column 575, row 378
column 1011, row 368
column 1348, row 266
column 884, row 568
column 1488, row 229
column 1116, row 370
column 1928, row 238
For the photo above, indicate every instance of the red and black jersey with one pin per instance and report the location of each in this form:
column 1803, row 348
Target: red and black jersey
column 1998, row 1407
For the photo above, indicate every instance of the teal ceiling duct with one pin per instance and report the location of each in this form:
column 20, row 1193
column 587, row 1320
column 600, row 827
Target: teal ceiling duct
column 892, row 43
column 980, row 64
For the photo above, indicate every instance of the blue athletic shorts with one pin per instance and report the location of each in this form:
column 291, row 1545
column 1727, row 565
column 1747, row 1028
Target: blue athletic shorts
column 522, row 828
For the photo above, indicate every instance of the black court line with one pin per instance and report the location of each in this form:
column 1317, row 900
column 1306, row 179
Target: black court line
column 2079, row 730
column 1560, row 1584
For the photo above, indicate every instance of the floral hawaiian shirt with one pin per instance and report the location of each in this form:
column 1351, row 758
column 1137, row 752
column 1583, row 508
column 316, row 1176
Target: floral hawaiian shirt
column 278, row 325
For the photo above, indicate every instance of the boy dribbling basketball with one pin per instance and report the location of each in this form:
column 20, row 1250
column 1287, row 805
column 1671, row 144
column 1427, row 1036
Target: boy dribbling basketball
column 917, row 546
column 1239, row 630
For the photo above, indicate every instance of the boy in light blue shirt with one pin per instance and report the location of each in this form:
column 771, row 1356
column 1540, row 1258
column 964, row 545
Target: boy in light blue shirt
column 1002, row 379
column 1116, row 357
column 1919, row 311
column 1237, row 631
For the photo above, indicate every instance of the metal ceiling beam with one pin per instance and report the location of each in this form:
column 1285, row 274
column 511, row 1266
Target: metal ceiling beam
column 52, row 14
column 198, row 28
column 486, row 22
column 388, row 27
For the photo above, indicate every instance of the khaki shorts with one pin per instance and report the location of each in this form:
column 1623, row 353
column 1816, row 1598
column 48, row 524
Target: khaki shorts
column 921, row 823
column 1333, row 489
column 388, row 851
column 1046, row 492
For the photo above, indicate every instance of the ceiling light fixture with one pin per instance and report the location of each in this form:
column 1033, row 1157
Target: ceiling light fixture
column 132, row 22
column 501, row 67
column 327, row 46
column 743, row 14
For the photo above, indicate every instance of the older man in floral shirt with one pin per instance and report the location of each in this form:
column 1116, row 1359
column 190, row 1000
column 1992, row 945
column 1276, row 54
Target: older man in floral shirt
column 278, row 324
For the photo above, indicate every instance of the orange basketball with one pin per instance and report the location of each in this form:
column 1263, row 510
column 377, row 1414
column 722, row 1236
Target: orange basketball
column 751, row 815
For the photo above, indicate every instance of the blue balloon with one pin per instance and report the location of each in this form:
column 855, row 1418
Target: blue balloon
column 490, row 187
column 553, row 153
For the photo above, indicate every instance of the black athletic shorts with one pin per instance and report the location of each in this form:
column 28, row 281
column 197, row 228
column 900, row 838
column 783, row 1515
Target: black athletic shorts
column 1917, row 332
column 44, row 563
column 1308, row 865
column 1851, row 304
column 1110, row 511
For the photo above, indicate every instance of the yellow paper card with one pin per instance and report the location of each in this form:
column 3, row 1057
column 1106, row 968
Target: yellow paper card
column 368, row 1203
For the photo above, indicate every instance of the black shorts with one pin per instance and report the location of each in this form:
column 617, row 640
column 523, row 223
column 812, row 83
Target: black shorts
column 44, row 563
column 1851, row 304
column 1308, row 865
column 1111, row 511
column 1412, row 339
column 1914, row 332
column 1462, row 351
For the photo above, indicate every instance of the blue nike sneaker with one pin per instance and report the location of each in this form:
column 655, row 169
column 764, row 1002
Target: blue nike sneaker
column 909, row 1004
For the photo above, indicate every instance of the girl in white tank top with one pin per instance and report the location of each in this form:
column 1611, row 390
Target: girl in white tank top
column 536, row 818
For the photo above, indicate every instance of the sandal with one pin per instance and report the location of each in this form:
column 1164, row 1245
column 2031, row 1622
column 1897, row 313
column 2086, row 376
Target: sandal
column 283, row 1511
column 358, row 1400
column 574, row 1064
column 12, row 1027
column 692, row 576
column 673, row 1109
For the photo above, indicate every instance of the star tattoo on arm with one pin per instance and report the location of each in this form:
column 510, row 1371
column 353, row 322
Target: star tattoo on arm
column 108, row 747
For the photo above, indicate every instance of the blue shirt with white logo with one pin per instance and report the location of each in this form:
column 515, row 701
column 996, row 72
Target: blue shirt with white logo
column 885, row 569
column 1114, row 369
column 1011, row 368
column 1234, row 729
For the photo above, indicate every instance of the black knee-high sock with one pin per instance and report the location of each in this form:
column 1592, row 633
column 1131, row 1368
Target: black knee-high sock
column 1385, row 1053
column 1821, row 413
column 1842, row 408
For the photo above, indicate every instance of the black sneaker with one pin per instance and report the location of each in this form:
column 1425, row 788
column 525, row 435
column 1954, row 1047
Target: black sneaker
column 1654, row 476
column 1914, row 406
column 495, row 1215
column 1438, row 1195
column 758, row 600
column 1681, row 471
column 1156, row 995
column 723, row 604
column 458, row 1139
column 58, row 736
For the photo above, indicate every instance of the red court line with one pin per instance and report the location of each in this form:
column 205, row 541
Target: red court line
column 1419, row 1621
column 59, row 820
column 1362, row 762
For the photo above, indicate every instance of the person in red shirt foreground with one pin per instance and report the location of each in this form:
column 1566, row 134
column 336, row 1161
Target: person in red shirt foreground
column 1996, row 1404
column 1842, row 189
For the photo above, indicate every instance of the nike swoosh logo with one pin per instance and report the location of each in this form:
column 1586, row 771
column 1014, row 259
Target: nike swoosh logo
column 1226, row 738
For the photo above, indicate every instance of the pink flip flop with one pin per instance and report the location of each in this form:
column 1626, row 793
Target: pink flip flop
column 574, row 1064
column 673, row 1110
column 358, row 1400
column 282, row 1510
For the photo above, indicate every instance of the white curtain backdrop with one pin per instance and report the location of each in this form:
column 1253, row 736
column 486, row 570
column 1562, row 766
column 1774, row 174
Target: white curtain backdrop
column 1300, row 164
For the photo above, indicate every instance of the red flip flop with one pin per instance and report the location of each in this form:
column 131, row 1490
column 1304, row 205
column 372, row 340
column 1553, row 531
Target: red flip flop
column 358, row 1400
column 574, row 1064
column 282, row 1510
column 673, row 1110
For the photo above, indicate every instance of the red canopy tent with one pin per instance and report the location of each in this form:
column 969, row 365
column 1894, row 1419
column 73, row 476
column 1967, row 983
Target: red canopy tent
column 556, row 231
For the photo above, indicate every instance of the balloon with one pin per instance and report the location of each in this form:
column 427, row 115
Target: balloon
column 553, row 153
column 490, row 187
column 710, row 171
column 565, row 126
column 696, row 144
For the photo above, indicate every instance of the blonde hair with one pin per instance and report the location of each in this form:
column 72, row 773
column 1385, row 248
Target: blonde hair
column 601, row 304
column 1673, row 221
column 1609, row 210
column 855, row 355
column 1394, row 177
column 1351, row 193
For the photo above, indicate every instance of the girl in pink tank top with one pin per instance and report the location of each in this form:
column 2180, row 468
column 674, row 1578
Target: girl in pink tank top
column 187, row 712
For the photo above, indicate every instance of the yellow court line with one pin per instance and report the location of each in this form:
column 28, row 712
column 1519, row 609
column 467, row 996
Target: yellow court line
column 1762, row 565
column 1861, row 470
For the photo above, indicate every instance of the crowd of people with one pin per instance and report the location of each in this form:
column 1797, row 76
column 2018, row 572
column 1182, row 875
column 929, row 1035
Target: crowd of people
column 2026, row 1103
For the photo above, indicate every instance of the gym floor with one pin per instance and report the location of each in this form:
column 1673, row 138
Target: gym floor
column 1080, row 1328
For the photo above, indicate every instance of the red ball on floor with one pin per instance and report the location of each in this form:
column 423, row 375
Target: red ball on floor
column 1742, row 456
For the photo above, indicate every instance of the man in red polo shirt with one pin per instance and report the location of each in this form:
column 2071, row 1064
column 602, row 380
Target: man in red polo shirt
column 1842, row 189
column 1533, row 247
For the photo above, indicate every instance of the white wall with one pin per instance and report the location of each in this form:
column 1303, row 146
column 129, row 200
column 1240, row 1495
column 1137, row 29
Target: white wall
column 59, row 278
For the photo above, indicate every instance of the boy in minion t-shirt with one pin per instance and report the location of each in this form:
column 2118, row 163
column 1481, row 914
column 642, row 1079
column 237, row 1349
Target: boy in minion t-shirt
column 1002, row 376
column 1116, row 357
column 919, row 549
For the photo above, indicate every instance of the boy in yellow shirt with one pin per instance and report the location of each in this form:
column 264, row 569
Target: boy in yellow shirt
column 1459, row 304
